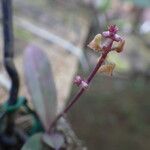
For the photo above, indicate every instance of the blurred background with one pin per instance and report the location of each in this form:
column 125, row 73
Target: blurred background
column 114, row 114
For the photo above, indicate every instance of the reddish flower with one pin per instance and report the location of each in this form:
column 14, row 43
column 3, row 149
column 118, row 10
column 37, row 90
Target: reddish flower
column 80, row 82
column 112, row 33
column 77, row 80
column 113, row 29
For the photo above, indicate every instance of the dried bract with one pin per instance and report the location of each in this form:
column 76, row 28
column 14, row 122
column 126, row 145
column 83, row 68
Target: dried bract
column 108, row 69
column 95, row 44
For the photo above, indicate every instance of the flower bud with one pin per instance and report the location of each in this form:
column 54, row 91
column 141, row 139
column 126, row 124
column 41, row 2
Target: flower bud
column 77, row 80
column 80, row 82
column 113, row 29
column 112, row 33
column 106, row 34
column 84, row 85
column 117, row 38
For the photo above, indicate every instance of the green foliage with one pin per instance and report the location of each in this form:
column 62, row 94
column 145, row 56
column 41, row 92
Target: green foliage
column 104, row 5
column 34, row 143
column 40, row 84
column 141, row 3
column 55, row 140
column 12, row 108
column 41, row 141
column 22, row 34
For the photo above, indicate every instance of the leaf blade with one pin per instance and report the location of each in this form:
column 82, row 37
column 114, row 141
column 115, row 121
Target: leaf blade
column 40, row 84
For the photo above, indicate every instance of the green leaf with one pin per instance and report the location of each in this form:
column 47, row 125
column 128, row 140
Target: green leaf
column 54, row 140
column 34, row 143
column 104, row 5
column 142, row 3
column 40, row 84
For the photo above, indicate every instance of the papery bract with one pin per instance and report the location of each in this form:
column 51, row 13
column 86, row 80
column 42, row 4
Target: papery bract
column 107, row 68
column 95, row 44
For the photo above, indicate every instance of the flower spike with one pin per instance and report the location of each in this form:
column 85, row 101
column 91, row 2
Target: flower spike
column 110, row 37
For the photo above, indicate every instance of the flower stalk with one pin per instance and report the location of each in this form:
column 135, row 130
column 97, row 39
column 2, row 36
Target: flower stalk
column 106, row 48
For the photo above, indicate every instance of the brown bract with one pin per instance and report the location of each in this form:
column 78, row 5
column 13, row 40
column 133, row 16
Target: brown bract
column 120, row 46
column 95, row 44
column 107, row 68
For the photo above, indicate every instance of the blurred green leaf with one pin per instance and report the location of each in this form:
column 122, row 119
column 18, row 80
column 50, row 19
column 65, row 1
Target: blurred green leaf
column 54, row 140
column 141, row 3
column 22, row 34
column 40, row 84
column 34, row 143
column 104, row 5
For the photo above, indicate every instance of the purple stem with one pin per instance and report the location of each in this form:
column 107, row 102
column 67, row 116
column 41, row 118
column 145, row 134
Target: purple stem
column 81, row 91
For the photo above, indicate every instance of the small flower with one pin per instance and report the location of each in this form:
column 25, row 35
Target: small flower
column 80, row 82
column 112, row 33
column 84, row 85
column 106, row 34
column 113, row 29
column 106, row 43
column 77, row 80
column 108, row 69
column 95, row 44
column 117, row 38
